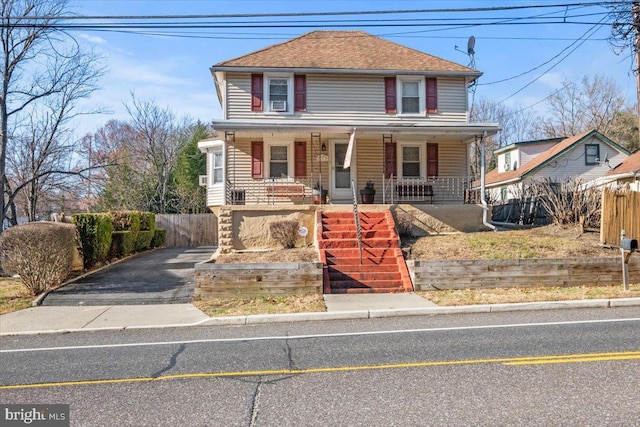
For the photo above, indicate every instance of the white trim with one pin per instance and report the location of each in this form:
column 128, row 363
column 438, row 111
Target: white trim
column 267, row 93
column 422, row 158
column 422, row 107
column 267, row 156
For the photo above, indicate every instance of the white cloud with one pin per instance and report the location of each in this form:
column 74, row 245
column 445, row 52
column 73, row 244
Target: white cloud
column 553, row 80
column 93, row 39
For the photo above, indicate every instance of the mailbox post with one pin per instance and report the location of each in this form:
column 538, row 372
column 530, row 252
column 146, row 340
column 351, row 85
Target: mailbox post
column 627, row 247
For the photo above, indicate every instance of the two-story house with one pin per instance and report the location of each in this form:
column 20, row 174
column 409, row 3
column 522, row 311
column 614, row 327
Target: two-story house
column 330, row 108
column 587, row 156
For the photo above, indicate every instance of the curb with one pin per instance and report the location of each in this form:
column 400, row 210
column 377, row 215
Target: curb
column 259, row 319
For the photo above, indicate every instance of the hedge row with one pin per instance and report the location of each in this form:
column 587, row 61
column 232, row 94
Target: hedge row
column 116, row 234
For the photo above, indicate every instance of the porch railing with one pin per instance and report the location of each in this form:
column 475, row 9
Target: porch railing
column 438, row 190
column 441, row 189
column 269, row 191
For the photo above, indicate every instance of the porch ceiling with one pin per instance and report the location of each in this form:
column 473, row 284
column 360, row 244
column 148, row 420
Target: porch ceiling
column 462, row 131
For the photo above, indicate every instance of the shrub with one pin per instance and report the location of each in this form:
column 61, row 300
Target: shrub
column 122, row 244
column 95, row 236
column 404, row 222
column 126, row 221
column 147, row 221
column 285, row 232
column 143, row 241
column 159, row 238
column 40, row 252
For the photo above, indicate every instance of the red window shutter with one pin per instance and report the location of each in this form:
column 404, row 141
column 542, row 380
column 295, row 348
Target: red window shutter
column 300, row 92
column 257, row 159
column 432, row 95
column 390, row 159
column 390, row 104
column 432, row 160
column 257, row 90
column 300, row 155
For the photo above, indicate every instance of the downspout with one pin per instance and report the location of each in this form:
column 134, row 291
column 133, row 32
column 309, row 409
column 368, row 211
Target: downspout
column 485, row 206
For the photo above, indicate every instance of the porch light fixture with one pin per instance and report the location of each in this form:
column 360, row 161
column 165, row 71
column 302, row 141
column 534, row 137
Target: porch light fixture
column 323, row 147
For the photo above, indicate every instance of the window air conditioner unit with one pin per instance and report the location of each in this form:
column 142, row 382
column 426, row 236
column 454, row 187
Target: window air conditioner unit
column 203, row 180
column 278, row 105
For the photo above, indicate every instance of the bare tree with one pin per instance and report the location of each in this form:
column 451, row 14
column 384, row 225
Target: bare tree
column 590, row 104
column 516, row 125
column 625, row 36
column 44, row 73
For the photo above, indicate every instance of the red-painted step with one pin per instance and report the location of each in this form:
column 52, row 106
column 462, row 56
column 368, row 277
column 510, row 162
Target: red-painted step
column 380, row 267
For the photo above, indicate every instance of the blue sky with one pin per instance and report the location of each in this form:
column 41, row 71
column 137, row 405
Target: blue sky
column 174, row 71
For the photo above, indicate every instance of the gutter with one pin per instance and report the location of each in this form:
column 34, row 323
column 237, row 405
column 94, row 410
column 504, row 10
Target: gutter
column 483, row 198
column 227, row 68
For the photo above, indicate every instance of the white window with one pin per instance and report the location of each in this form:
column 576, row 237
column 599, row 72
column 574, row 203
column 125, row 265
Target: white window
column 279, row 93
column 278, row 161
column 411, row 161
column 218, row 167
column 411, row 96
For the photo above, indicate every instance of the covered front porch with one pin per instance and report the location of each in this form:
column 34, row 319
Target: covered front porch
column 284, row 163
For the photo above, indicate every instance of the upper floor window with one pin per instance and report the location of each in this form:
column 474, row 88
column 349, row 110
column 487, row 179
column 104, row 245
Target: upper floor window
column 591, row 154
column 280, row 93
column 411, row 95
column 410, row 98
column 507, row 161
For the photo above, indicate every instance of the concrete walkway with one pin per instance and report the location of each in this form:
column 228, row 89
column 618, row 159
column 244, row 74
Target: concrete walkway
column 39, row 320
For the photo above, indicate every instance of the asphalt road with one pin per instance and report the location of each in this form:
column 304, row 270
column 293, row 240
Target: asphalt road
column 561, row 367
column 161, row 276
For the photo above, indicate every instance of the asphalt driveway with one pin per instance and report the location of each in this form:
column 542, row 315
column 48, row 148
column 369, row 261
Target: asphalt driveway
column 161, row 276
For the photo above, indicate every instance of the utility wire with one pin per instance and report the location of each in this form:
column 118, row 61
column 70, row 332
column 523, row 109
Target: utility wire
column 299, row 14
column 586, row 37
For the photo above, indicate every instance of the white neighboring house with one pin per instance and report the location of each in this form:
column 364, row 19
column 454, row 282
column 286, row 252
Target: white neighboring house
column 587, row 156
column 626, row 173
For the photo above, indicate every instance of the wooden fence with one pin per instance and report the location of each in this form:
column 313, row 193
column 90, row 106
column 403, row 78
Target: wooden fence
column 620, row 211
column 189, row 230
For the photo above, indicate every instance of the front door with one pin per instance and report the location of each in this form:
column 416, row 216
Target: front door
column 341, row 177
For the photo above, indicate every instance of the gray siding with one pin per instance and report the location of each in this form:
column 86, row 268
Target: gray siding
column 338, row 97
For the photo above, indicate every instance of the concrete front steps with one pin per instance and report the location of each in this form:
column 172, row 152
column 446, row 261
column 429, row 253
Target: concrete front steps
column 382, row 268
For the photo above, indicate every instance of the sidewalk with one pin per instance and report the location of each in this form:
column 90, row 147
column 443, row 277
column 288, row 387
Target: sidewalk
column 59, row 319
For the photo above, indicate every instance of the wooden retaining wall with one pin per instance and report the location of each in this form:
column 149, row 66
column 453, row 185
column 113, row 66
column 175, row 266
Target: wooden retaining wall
column 189, row 230
column 251, row 280
column 468, row 274
column 620, row 211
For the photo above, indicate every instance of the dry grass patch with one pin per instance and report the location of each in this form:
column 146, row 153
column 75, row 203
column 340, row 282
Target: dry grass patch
column 13, row 295
column 535, row 294
column 262, row 305
column 271, row 256
column 542, row 242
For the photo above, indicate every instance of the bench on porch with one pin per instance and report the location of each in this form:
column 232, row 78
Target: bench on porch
column 414, row 191
column 286, row 191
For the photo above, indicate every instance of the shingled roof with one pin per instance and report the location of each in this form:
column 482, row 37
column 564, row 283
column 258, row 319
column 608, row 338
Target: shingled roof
column 494, row 177
column 344, row 50
column 630, row 165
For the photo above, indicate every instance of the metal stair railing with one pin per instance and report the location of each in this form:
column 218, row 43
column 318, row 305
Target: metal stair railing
column 356, row 216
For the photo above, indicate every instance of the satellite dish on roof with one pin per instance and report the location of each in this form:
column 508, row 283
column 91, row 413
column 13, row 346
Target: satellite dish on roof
column 471, row 44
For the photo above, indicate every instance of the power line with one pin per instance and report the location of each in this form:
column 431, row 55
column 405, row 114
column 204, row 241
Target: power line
column 586, row 35
column 299, row 14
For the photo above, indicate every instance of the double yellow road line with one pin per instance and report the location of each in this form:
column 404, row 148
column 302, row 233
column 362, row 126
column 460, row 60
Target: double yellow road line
column 511, row 361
